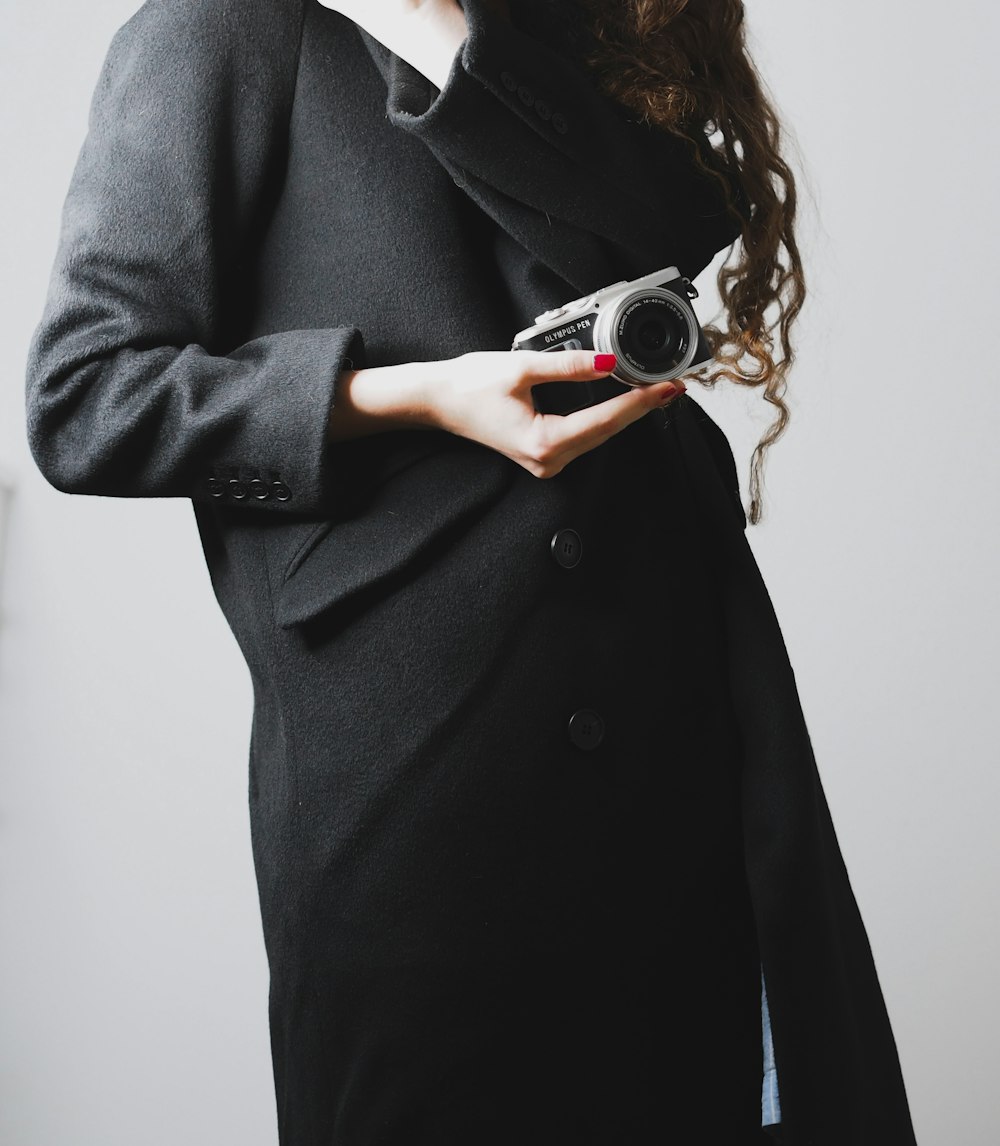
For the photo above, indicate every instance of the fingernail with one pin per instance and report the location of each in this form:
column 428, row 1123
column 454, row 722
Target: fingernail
column 670, row 395
column 605, row 361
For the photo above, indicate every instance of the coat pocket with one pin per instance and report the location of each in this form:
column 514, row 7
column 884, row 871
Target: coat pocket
column 399, row 520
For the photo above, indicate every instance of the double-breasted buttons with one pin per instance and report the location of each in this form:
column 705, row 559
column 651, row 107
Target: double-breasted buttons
column 567, row 548
column 586, row 729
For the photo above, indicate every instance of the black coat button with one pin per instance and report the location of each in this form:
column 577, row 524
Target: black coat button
column 525, row 95
column 543, row 109
column 237, row 490
column 260, row 489
column 508, row 81
column 586, row 729
column 280, row 490
column 216, row 487
column 567, row 547
column 559, row 123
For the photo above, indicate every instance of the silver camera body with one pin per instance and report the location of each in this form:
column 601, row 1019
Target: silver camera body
column 648, row 324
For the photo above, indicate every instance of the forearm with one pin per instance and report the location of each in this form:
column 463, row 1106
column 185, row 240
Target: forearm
column 382, row 398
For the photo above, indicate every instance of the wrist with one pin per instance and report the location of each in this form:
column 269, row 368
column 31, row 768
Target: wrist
column 382, row 398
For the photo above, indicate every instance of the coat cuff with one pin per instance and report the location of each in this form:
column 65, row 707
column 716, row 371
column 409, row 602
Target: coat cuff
column 519, row 122
column 288, row 464
column 534, row 124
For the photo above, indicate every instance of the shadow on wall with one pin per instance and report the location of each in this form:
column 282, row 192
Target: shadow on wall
column 6, row 502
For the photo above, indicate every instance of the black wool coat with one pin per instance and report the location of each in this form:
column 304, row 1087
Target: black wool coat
column 525, row 829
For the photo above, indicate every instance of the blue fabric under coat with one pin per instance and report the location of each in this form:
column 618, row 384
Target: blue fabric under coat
column 770, row 1106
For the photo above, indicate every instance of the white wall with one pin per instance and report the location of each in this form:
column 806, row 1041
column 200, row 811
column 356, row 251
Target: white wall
column 133, row 981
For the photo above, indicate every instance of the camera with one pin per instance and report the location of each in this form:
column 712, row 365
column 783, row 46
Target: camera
column 647, row 323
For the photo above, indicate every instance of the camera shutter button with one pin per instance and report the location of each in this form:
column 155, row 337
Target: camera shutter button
column 549, row 314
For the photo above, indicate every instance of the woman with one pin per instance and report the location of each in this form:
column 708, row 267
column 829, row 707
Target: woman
column 533, row 803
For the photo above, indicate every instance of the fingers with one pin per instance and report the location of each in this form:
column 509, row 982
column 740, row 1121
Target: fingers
column 536, row 366
column 568, row 436
column 472, row 399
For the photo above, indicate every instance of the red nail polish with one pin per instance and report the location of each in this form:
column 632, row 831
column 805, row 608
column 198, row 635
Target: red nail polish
column 605, row 361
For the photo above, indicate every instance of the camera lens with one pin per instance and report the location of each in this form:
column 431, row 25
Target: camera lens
column 653, row 333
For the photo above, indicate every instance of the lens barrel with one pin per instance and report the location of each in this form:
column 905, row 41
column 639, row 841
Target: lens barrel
column 652, row 332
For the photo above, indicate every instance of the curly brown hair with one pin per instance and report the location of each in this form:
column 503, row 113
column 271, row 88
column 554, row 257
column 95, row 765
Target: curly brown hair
column 683, row 65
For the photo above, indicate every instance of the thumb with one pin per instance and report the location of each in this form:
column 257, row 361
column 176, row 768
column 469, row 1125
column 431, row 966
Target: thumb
column 564, row 365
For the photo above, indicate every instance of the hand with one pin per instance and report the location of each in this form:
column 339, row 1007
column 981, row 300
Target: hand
column 425, row 33
column 486, row 396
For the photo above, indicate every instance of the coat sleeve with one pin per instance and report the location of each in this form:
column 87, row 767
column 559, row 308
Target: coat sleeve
column 137, row 383
column 524, row 127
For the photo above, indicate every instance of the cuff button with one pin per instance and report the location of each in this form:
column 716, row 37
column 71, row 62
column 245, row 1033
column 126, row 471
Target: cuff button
column 559, row 123
column 216, row 488
column 508, row 81
column 237, row 490
column 259, row 490
column 543, row 109
column 280, row 490
column 526, row 95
